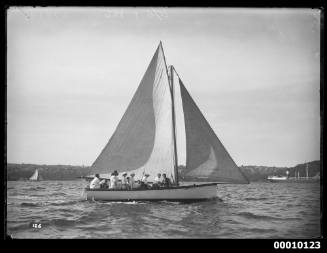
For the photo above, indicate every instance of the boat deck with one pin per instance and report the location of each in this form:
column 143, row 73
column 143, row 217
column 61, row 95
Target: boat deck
column 154, row 189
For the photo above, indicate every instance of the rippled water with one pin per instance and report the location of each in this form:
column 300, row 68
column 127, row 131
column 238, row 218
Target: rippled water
column 257, row 210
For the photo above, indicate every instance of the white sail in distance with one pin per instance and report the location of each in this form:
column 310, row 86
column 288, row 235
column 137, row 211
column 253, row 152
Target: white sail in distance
column 34, row 177
column 143, row 140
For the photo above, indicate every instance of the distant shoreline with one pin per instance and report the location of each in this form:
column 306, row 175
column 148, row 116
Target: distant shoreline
column 16, row 172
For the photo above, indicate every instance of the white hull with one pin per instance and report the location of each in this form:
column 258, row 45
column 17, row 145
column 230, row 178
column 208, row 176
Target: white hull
column 295, row 180
column 183, row 193
column 276, row 179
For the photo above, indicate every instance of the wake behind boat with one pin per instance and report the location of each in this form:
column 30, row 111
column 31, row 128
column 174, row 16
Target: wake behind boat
column 145, row 142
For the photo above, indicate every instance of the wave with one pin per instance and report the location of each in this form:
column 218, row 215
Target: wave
column 260, row 230
column 60, row 222
column 33, row 188
column 47, row 203
column 27, row 204
column 255, row 216
column 264, row 217
column 171, row 202
column 19, row 227
column 58, row 194
column 64, row 203
column 256, row 199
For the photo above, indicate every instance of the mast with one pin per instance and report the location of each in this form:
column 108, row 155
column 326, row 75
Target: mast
column 170, row 81
column 307, row 170
column 171, row 77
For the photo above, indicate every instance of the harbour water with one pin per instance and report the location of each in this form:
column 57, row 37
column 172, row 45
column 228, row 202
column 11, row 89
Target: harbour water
column 57, row 209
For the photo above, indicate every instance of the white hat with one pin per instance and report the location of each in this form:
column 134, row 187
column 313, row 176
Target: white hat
column 124, row 173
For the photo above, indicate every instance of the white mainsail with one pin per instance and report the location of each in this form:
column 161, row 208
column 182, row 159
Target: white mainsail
column 34, row 177
column 206, row 157
column 143, row 141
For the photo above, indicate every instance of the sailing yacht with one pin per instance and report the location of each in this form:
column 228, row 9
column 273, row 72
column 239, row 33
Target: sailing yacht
column 35, row 176
column 145, row 142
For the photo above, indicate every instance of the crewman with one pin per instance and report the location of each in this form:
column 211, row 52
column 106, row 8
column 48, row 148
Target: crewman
column 144, row 181
column 165, row 181
column 102, row 183
column 132, row 181
column 114, row 180
column 124, row 181
column 145, row 178
column 95, row 183
column 105, row 183
column 157, row 181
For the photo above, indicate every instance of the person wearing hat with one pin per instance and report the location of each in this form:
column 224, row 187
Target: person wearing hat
column 145, row 178
column 165, row 180
column 157, row 181
column 144, row 181
column 124, row 182
column 114, row 180
column 95, row 183
column 103, row 183
column 132, row 181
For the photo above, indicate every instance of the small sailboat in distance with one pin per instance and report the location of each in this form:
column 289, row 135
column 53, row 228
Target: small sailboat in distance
column 145, row 142
column 296, row 178
column 35, row 176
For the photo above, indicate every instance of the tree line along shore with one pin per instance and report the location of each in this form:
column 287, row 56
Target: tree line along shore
column 69, row 172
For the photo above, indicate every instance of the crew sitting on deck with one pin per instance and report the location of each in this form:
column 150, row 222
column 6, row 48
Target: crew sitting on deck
column 114, row 180
column 132, row 181
column 165, row 181
column 104, row 184
column 144, row 181
column 128, row 184
column 95, row 183
column 157, row 182
column 124, row 181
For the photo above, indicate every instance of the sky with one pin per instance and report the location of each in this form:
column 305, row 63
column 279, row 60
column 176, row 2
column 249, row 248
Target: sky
column 254, row 74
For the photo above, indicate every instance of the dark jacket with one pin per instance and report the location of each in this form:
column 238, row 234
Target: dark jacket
column 166, row 182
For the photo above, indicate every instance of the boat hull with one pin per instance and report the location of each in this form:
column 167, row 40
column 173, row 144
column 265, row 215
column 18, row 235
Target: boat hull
column 182, row 193
column 295, row 180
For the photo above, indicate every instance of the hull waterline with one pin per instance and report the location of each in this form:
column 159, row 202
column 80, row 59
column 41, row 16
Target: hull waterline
column 183, row 193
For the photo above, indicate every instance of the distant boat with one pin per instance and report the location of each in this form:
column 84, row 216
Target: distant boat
column 296, row 178
column 145, row 142
column 36, row 176
column 276, row 178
